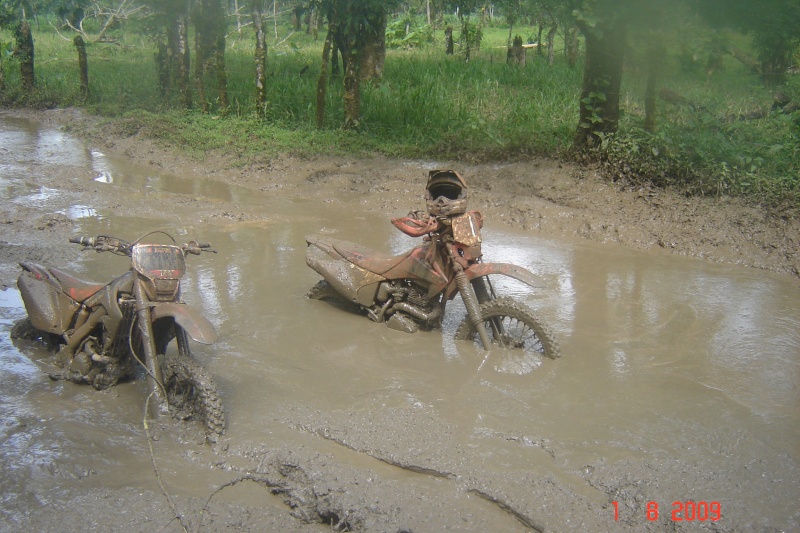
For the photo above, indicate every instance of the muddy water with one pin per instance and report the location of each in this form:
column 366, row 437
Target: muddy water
column 679, row 382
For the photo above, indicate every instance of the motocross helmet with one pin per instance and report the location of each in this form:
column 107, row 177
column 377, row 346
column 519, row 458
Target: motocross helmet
column 446, row 193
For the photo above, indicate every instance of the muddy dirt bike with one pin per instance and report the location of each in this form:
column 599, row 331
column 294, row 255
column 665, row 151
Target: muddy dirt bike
column 105, row 332
column 410, row 290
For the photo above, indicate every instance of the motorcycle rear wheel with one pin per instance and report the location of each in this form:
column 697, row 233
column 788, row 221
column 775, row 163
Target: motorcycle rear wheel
column 324, row 291
column 25, row 330
column 192, row 394
column 512, row 325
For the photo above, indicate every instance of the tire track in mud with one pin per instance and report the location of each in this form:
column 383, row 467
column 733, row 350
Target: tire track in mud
column 291, row 483
column 499, row 502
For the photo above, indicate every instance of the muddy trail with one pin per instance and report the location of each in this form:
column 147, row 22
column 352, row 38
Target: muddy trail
column 674, row 406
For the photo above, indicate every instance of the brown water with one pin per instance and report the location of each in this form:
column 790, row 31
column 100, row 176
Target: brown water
column 680, row 379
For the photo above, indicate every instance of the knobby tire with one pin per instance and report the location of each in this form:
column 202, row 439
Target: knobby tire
column 192, row 393
column 523, row 329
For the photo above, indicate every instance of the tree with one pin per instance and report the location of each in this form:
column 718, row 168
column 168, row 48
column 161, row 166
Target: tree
column 774, row 24
column 605, row 25
column 25, row 52
column 208, row 17
column 358, row 30
column 109, row 14
column 260, row 57
column 171, row 32
column 14, row 14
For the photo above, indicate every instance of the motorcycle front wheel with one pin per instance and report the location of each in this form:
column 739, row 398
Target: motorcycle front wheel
column 512, row 325
column 192, row 394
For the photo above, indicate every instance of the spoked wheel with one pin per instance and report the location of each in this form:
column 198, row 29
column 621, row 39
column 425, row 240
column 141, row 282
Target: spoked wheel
column 514, row 327
column 192, row 394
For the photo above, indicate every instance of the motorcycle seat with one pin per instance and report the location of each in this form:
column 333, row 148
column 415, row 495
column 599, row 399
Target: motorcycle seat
column 77, row 289
column 368, row 259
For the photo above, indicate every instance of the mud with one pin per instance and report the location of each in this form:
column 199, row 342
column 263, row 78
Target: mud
column 677, row 317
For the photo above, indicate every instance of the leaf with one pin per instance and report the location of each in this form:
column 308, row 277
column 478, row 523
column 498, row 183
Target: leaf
column 654, row 151
column 775, row 148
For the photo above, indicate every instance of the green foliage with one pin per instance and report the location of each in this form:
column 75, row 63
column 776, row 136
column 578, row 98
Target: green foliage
column 594, row 104
column 408, row 32
column 429, row 105
column 709, row 154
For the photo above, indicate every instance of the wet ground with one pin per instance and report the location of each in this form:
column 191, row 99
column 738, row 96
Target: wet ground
column 675, row 403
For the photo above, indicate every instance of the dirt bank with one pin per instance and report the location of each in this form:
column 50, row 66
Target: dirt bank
column 544, row 196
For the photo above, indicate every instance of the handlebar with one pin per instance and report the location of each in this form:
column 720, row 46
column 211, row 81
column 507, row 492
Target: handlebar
column 196, row 248
column 107, row 243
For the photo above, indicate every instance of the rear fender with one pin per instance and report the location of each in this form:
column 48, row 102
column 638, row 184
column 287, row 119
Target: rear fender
column 351, row 281
column 196, row 325
column 49, row 309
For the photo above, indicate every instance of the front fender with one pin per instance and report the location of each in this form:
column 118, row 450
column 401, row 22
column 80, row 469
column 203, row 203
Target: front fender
column 196, row 325
column 505, row 269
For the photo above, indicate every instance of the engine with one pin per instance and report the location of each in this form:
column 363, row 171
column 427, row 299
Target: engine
column 402, row 302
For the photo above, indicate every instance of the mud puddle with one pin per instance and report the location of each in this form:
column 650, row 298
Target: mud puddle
column 679, row 385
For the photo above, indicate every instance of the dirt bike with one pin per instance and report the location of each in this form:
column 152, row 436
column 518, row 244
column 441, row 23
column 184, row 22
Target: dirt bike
column 411, row 290
column 105, row 332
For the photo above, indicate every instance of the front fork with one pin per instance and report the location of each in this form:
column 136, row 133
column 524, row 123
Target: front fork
column 470, row 299
column 155, row 379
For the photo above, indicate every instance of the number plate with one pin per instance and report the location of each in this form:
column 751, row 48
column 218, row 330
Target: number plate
column 158, row 261
column 467, row 229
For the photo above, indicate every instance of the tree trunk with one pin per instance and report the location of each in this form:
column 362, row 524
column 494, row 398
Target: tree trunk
column 260, row 58
column 209, row 23
column 222, row 74
column 182, row 58
column 540, row 48
column 746, row 60
column 352, row 90
column 238, row 17
column 448, row 40
column 655, row 56
column 516, row 53
column 602, row 76
column 83, row 65
column 465, row 37
column 374, row 53
column 297, row 18
column 162, row 57
column 551, row 38
column 25, row 53
column 173, row 58
column 322, row 82
column 572, row 46
column 202, row 57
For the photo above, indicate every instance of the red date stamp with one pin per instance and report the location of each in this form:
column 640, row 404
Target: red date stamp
column 688, row 511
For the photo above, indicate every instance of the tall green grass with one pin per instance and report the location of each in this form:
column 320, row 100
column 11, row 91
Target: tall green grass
column 429, row 105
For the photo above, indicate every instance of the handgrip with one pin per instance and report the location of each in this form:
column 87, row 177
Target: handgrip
column 83, row 241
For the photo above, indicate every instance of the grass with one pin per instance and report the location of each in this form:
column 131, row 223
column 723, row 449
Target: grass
column 429, row 105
